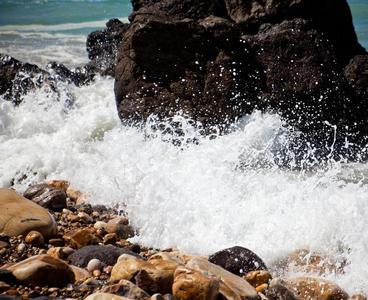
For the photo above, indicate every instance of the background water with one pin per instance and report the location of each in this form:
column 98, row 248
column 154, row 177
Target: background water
column 200, row 198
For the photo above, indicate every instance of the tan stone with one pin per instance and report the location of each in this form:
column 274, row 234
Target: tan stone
column 308, row 288
column 82, row 237
column 257, row 278
column 306, row 261
column 193, row 285
column 231, row 286
column 59, row 184
column 120, row 226
column 358, row 297
column 151, row 278
column 105, row 296
column 37, row 270
column 73, row 194
column 18, row 216
column 80, row 274
column 127, row 289
column 35, row 238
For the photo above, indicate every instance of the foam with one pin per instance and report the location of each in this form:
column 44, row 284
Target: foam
column 200, row 197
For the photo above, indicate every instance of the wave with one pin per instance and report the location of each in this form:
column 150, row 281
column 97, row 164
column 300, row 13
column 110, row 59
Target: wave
column 56, row 27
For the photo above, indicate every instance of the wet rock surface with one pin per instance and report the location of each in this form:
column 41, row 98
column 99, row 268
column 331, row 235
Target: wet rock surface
column 231, row 57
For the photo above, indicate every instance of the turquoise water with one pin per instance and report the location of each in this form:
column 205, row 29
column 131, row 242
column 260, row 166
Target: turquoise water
column 359, row 9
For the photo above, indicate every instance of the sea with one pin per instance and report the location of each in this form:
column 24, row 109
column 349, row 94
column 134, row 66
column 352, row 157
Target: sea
column 200, row 197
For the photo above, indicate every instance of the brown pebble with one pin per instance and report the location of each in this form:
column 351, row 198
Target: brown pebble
column 110, row 238
column 56, row 242
column 96, row 273
column 35, row 238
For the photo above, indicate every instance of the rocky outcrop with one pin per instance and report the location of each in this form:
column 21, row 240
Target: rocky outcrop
column 216, row 61
column 102, row 47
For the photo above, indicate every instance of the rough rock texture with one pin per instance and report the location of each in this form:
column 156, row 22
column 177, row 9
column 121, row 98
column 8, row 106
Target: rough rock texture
column 47, row 196
column 230, row 57
column 238, row 260
column 102, row 47
column 19, row 215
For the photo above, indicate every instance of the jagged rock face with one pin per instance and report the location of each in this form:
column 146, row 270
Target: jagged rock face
column 219, row 60
column 102, row 47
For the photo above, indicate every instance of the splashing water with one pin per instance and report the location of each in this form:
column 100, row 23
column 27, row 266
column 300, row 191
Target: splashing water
column 201, row 196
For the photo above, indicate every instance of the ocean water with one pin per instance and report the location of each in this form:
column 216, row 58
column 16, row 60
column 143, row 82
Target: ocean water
column 198, row 197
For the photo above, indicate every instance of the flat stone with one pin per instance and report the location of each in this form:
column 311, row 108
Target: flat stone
column 231, row 286
column 43, row 270
column 82, row 237
column 18, row 216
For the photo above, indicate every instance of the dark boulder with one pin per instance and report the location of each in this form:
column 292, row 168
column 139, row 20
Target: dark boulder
column 357, row 74
column 79, row 76
column 237, row 260
column 102, row 47
column 217, row 61
column 106, row 254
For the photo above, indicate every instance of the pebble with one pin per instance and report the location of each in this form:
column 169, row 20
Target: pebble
column 35, row 238
column 94, row 264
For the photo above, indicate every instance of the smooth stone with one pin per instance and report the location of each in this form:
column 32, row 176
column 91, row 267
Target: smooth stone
column 73, row 194
column 94, row 264
column 43, row 270
column 105, row 296
column 80, row 238
column 193, row 285
column 35, row 238
column 59, row 184
column 231, row 286
column 108, row 255
column 19, row 216
column 120, row 226
column 258, row 278
column 238, row 260
column 305, row 288
column 126, row 289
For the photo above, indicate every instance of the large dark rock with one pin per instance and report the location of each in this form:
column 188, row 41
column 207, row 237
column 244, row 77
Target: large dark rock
column 357, row 74
column 238, row 260
column 217, row 61
column 106, row 254
column 102, row 47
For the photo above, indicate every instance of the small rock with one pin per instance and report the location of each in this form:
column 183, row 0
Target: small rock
column 193, row 285
column 59, row 184
column 121, row 227
column 105, row 296
column 96, row 273
column 257, row 278
column 100, row 225
column 80, row 274
column 238, row 260
column 56, row 242
column 126, row 289
column 84, row 218
column 35, row 238
column 94, row 264
column 4, row 245
column 21, row 216
column 21, row 247
column 305, row 288
column 110, row 239
column 82, row 237
column 57, row 252
column 73, row 194
column 36, row 270
column 47, row 196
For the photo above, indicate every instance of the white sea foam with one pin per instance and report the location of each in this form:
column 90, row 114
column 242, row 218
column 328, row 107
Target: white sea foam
column 56, row 27
column 200, row 197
